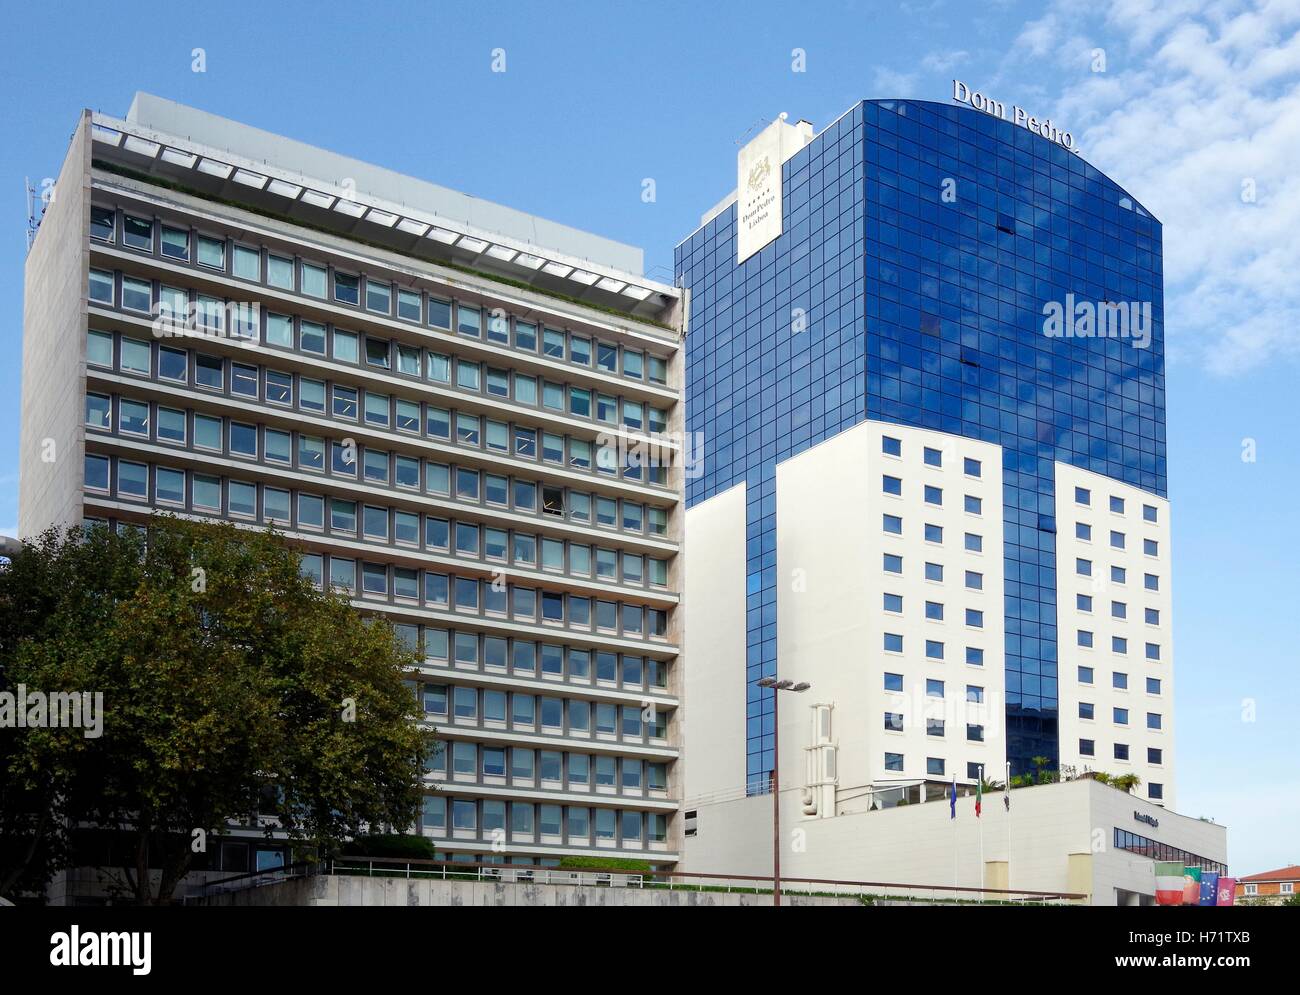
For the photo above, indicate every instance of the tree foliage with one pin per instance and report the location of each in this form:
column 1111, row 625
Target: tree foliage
column 231, row 687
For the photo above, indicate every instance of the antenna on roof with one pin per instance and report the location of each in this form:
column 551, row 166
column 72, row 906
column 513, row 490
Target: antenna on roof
column 760, row 123
column 33, row 216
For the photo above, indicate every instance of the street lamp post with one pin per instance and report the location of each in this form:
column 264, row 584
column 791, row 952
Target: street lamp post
column 777, row 687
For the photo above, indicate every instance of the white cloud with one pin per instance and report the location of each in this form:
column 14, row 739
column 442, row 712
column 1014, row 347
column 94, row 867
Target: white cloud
column 888, row 83
column 1200, row 103
column 942, row 62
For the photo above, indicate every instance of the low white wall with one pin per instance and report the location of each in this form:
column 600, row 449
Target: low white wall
column 915, row 844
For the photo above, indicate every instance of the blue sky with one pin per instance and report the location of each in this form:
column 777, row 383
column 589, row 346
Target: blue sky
column 1197, row 114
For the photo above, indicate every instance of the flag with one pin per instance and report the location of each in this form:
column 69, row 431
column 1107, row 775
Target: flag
column 1006, row 789
column 1169, row 882
column 1191, row 886
column 1227, row 891
column 1209, row 888
column 979, row 793
column 952, row 799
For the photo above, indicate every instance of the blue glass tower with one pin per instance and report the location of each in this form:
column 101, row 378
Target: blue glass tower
column 920, row 242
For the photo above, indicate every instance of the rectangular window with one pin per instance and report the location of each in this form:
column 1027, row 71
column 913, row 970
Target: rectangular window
column 279, row 272
column 175, row 243
column 314, row 279
column 212, row 252
column 347, row 288
column 137, row 295
column 103, row 222
column 137, row 232
column 101, row 286
column 469, row 321
column 246, row 263
column 379, row 297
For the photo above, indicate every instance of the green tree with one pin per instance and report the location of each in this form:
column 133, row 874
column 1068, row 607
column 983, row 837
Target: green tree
column 1125, row 782
column 231, row 687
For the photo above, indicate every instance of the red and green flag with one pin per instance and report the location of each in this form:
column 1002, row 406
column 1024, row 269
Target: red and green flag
column 979, row 793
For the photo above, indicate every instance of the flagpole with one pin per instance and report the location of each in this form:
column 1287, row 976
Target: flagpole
column 979, row 788
column 952, row 808
column 1007, row 812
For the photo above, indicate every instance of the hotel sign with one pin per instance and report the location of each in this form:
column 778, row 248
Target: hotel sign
column 758, row 191
column 1018, row 115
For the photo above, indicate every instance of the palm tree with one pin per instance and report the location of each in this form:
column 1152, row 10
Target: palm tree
column 1039, row 764
column 1125, row 782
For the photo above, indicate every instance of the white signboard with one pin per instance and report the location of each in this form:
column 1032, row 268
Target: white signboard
column 758, row 191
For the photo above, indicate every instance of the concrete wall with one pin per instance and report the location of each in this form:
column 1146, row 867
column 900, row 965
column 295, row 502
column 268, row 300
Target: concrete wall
column 52, row 441
column 713, row 741
column 343, row 890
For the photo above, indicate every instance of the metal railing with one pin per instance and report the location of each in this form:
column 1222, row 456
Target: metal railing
column 252, row 879
column 751, row 884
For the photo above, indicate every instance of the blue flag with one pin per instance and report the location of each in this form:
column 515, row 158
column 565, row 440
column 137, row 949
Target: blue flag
column 1209, row 888
column 952, row 798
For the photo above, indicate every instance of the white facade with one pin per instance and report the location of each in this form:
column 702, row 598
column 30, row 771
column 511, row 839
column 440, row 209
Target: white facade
column 884, row 644
column 1113, row 577
column 841, row 622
